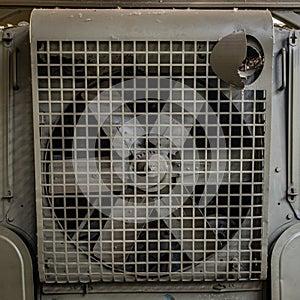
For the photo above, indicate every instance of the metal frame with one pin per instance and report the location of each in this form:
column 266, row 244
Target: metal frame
column 294, row 126
column 153, row 287
column 155, row 4
column 5, row 186
column 78, row 31
column 17, row 154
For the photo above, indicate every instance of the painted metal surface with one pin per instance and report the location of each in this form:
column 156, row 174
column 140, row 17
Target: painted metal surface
column 16, row 273
column 285, row 265
column 281, row 214
column 153, row 287
column 289, row 17
column 17, row 179
column 156, row 3
column 293, row 195
column 251, row 295
column 143, row 27
column 5, row 186
column 227, row 57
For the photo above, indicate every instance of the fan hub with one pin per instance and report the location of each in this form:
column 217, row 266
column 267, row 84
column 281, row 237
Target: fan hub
column 156, row 167
column 150, row 171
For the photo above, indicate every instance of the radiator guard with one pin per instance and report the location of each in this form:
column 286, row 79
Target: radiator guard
column 58, row 38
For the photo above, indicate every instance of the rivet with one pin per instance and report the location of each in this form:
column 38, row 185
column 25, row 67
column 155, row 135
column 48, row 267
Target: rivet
column 10, row 219
column 277, row 169
column 289, row 216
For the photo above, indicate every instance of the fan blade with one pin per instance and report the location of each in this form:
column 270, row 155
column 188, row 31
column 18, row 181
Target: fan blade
column 180, row 110
column 187, row 236
column 162, row 126
column 83, row 235
column 120, row 232
column 119, row 116
column 127, row 137
column 116, row 240
column 73, row 176
column 180, row 113
column 187, row 225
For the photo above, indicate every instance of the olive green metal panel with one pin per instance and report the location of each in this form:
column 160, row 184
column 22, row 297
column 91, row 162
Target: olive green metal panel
column 57, row 253
column 17, row 207
column 16, row 274
column 286, row 265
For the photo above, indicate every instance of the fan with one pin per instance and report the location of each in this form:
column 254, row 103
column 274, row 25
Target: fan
column 156, row 188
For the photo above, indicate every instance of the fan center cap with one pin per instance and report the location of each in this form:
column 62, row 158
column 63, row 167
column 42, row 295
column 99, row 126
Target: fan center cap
column 156, row 167
column 150, row 171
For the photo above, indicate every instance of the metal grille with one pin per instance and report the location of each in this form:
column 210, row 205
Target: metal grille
column 151, row 167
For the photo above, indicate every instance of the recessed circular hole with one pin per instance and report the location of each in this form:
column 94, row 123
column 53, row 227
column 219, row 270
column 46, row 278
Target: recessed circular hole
column 252, row 66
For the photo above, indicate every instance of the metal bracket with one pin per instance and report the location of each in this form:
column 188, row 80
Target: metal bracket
column 294, row 125
column 293, row 39
column 7, row 37
column 292, row 193
column 8, row 196
column 284, row 69
column 6, row 204
column 6, row 70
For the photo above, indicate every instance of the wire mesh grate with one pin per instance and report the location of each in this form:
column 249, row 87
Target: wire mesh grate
column 151, row 167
